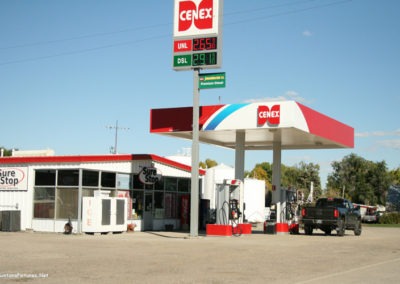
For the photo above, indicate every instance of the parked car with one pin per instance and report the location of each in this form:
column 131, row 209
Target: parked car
column 372, row 218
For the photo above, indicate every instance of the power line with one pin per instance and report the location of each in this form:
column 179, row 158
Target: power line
column 82, row 50
column 295, row 11
column 100, row 34
column 38, row 43
column 299, row 10
column 116, row 127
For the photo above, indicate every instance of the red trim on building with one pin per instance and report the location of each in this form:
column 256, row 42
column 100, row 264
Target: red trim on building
column 94, row 159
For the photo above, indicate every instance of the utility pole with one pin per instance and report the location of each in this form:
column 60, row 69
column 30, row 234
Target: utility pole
column 116, row 127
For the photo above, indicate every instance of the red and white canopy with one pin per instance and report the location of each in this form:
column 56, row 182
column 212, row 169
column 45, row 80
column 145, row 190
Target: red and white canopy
column 293, row 124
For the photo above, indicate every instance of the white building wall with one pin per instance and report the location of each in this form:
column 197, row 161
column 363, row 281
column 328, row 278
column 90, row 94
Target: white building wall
column 23, row 199
column 253, row 192
column 214, row 176
column 20, row 200
column 170, row 171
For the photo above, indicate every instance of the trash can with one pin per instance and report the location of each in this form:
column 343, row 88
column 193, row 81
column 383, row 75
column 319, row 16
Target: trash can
column 169, row 227
column 270, row 227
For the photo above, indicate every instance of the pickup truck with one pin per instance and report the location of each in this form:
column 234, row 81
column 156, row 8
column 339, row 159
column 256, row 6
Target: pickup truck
column 331, row 214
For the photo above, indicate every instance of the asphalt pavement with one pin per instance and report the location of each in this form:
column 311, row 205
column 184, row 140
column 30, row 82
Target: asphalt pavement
column 175, row 257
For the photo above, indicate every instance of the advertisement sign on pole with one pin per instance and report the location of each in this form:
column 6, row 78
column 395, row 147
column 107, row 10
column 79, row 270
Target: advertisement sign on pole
column 196, row 17
column 212, row 80
column 197, row 45
column 197, row 34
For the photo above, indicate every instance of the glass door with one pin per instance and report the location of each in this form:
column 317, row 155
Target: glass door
column 148, row 211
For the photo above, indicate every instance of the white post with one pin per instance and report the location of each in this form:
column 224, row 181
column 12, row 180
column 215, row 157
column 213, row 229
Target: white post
column 276, row 179
column 79, row 225
column 194, row 192
column 239, row 155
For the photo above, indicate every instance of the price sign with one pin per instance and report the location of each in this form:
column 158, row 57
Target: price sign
column 197, row 34
column 199, row 52
column 204, row 58
column 204, row 43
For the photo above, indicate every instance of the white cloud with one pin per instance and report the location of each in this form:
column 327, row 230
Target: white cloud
column 393, row 144
column 266, row 99
column 378, row 133
column 292, row 95
column 307, row 33
column 289, row 95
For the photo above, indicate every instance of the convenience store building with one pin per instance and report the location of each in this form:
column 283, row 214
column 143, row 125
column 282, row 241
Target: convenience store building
column 46, row 190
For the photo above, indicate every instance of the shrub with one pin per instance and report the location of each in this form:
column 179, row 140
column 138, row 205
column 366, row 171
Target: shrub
column 390, row 218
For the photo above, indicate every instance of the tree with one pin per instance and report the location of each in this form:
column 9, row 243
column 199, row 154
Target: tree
column 7, row 152
column 289, row 176
column 300, row 177
column 363, row 181
column 263, row 171
column 395, row 177
column 208, row 164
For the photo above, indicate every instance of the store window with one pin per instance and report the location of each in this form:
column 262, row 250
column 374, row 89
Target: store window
column 43, row 202
column 149, row 186
column 88, row 192
column 124, row 181
column 171, row 205
column 108, row 179
column 137, row 184
column 137, row 204
column 159, row 184
column 45, row 177
column 68, row 177
column 90, row 178
column 184, row 185
column 56, row 192
column 67, row 203
column 170, row 183
column 158, row 205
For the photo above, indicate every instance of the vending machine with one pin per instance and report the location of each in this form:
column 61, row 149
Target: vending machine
column 104, row 214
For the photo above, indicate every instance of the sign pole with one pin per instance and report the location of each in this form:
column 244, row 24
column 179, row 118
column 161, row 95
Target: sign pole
column 194, row 193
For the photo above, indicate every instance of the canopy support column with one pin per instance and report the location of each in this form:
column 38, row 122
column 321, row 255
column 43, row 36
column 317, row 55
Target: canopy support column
column 239, row 155
column 277, row 197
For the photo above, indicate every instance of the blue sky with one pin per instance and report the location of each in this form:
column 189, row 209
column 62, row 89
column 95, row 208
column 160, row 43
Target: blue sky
column 70, row 68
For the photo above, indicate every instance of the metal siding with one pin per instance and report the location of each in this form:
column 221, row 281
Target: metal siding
column 25, row 198
column 19, row 200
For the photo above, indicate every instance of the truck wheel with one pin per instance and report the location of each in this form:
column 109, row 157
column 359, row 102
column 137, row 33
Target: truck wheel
column 340, row 229
column 327, row 232
column 358, row 229
column 308, row 229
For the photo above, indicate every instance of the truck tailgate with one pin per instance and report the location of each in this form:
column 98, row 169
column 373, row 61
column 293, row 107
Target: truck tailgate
column 320, row 213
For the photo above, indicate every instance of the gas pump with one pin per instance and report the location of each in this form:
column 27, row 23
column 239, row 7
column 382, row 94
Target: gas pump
column 229, row 205
column 229, row 202
column 234, row 212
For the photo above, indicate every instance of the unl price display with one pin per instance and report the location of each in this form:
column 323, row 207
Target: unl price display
column 204, row 43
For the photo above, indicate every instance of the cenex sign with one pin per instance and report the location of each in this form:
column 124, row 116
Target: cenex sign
column 197, row 34
column 271, row 115
column 195, row 17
